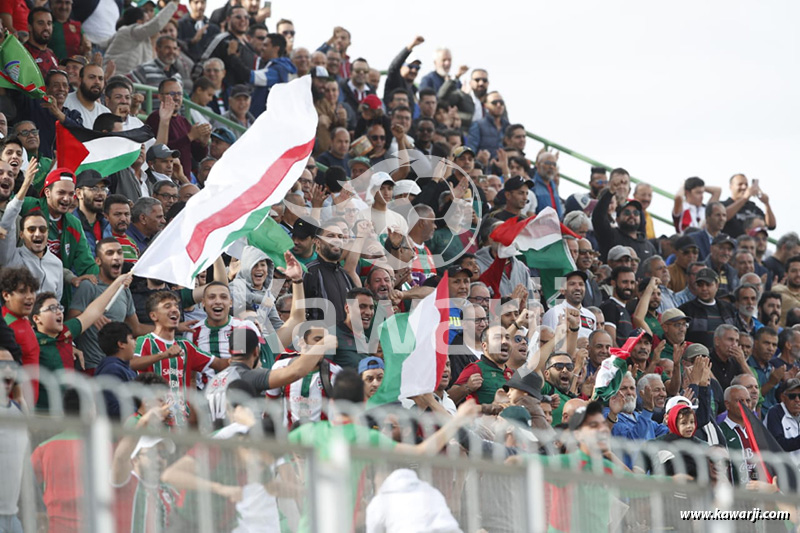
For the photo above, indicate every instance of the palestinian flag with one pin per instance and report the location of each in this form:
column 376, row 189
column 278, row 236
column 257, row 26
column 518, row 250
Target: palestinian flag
column 254, row 173
column 610, row 374
column 18, row 70
column 415, row 348
column 540, row 241
column 79, row 149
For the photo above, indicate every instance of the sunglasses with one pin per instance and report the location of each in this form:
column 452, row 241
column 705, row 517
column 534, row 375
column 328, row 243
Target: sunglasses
column 497, row 102
column 288, row 32
column 562, row 366
column 377, row 137
column 484, row 80
column 520, row 338
column 793, row 396
column 629, row 212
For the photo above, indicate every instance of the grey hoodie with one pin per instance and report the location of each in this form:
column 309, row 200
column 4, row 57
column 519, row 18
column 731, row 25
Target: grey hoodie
column 245, row 296
column 48, row 271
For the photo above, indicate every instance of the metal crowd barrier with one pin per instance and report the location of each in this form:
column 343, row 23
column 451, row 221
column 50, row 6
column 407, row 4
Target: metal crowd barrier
column 486, row 489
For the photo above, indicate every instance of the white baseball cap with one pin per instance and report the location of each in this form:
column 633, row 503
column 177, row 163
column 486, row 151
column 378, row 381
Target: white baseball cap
column 675, row 400
column 406, row 187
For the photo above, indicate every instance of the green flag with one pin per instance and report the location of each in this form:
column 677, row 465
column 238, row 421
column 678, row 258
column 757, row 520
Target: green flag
column 272, row 239
column 18, row 70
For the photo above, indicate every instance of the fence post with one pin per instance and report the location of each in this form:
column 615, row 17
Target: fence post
column 331, row 508
column 97, row 496
column 534, row 496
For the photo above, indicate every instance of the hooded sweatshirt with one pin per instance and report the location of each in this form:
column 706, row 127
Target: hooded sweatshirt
column 245, row 296
column 48, row 270
column 405, row 503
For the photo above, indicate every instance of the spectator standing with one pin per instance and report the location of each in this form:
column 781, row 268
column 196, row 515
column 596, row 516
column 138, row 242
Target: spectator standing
column 740, row 207
column 689, row 209
column 325, row 277
column 618, row 320
column 545, row 186
column 196, row 30
column 789, row 291
column 626, row 233
column 40, row 24
column 718, row 260
column 788, row 246
column 487, row 133
column 130, row 46
column 402, row 73
column 715, row 217
column 163, row 66
column 707, row 311
column 442, row 60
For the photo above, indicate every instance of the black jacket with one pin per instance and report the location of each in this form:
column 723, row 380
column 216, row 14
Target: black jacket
column 395, row 81
column 700, row 330
column 608, row 237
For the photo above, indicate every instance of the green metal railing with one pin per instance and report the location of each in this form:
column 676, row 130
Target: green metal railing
column 188, row 105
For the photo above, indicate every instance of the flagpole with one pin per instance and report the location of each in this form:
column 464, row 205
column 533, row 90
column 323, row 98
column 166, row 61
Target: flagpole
column 116, row 295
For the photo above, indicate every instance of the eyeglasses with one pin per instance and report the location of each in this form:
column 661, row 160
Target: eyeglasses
column 497, row 102
column 630, row 212
column 477, row 320
column 351, row 210
column 600, row 182
column 681, row 324
column 290, row 33
column 794, row 396
column 52, row 308
column 377, row 137
column 478, row 80
column 413, row 67
column 562, row 366
column 480, row 299
column 27, row 133
column 587, row 252
column 97, row 189
column 168, row 196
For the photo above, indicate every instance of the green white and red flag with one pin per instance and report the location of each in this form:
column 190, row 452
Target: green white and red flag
column 255, row 173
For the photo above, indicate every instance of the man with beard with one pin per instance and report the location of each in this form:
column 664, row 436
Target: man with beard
column 706, row 311
column 117, row 210
column 28, row 135
column 326, row 279
column 402, row 73
column 65, row 237
column 303, row 233
column 379, row 281
column 45, row 113
column 85, row 99
column 629, row 216
column 92, row 190
column 109, row 265
column 622, row 415
column 470, row 103
column 789, row 291
column 558, row 376
column 491, row 367
column 573, row 290
column 586, row 255
column 656, row 268
column 33, row 254
column 618, row 320
column 351, row 332
column 746, row 297
column 770, row 306
column 515, row 190
column 765, row 344
column 40, row 24
column 545, row 187
column 162, row 66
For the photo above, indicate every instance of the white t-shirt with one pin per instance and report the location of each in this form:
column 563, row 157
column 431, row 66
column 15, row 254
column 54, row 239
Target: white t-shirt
column 87, row 115
column 588, row 320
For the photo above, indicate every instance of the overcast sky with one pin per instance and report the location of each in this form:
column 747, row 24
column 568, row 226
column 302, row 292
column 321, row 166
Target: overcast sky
column 666, row 90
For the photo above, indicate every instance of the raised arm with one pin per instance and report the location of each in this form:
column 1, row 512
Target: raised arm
column 644, row 305
column 97, row 308
column 140, row 32
column 297, row 315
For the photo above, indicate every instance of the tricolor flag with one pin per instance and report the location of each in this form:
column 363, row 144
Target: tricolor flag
column 18, row 70
column 79, row 149
column 255, row 172
column 539, row 239
column 610, row 374
column 415, row 348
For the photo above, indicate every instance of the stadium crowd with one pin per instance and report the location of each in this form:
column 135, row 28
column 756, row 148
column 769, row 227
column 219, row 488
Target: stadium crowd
column 716, row 311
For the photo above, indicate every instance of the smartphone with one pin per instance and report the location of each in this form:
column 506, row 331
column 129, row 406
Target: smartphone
column 755, row 182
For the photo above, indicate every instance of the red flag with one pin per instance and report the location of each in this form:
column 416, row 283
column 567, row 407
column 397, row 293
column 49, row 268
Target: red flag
column 70, row 152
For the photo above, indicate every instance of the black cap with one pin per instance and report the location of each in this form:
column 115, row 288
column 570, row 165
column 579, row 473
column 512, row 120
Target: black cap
column 515, row 183
column 243, row 340
column 531, row 383
column 630, row 202
column 707, row 275
column 240, row 90
column 90, row 178
column 304, row 229
column 724, row 238
column 457, row 269
column 580, row 414
column 579, row 273
column 685, row 242
column 635, row 333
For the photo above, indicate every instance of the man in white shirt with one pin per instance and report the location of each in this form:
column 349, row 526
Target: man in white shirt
column 85, row 99
column 573, row 289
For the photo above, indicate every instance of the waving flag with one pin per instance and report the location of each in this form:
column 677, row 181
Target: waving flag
column 610, row 374
column 255, row 172
column 79, row 149
column 540, row 240
column 18, row 70
column 415, row 359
